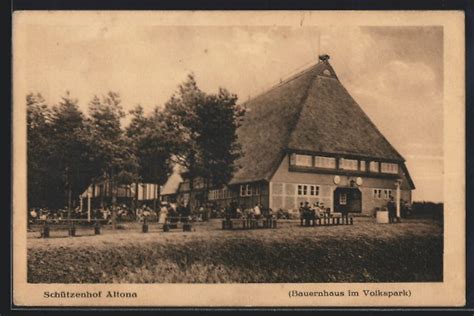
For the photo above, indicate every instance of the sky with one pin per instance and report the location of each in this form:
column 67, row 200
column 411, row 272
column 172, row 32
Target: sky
column 394, row 73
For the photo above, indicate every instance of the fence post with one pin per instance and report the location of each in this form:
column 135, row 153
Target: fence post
column 45, row 230
column 72, row 229
column 97, row 227
column 145, row 225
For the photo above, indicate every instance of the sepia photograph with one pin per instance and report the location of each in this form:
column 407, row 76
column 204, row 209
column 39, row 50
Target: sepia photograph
column 179, row 148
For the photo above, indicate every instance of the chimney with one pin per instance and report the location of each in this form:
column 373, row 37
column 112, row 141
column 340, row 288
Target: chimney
column 324, row 57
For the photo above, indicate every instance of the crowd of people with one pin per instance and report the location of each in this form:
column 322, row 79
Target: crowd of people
column 123, row 213
column 315, row 211
column 181, row 211
column 41, row 214
column 256, row 212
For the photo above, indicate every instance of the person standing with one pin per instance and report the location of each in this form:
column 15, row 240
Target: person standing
column 392, row 210
column 257, row 211
column 33, row 215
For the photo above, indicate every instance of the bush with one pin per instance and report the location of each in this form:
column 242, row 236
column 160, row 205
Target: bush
column 428, row 209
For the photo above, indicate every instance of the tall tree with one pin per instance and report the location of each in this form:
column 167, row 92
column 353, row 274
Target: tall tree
column 151, row 146
column 205, row 132
column 218, row 119
column 114, row 160
column 39, row 151
column 70, row 156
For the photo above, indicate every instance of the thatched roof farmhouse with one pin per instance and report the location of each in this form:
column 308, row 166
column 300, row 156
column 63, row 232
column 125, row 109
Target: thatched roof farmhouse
column 307, row 139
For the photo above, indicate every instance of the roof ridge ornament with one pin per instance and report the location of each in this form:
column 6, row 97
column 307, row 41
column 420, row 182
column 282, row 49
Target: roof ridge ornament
column 324, row 57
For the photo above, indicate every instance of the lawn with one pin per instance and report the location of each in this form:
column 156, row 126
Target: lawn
column 410, row 251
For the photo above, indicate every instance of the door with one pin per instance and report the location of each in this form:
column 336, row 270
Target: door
column 347, row 199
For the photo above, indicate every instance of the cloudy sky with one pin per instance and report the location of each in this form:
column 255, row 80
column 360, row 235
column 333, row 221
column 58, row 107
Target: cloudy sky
column 394, row 73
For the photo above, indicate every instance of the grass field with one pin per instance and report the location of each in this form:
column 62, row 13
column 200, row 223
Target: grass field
column 410, row 251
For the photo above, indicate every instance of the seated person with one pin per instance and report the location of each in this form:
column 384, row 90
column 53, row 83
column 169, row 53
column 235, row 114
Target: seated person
column 238, row 213
column 317, row 211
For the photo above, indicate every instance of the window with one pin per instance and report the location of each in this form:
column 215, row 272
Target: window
column 303, row 160
column 362, row 165
column 302, row 189
column 374, row 166
column 389, row 167
column 348, row 164
column 249, row 190
column 212, row 195
column 387, row 194
column 245, row 190
column 382, row 194
column 343, row 198
column 377, row 193
column 324, row 162
column 308, row 190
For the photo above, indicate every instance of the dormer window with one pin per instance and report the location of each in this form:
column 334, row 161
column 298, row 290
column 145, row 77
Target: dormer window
column 374, row 166
column 324, row 162
column 348, row 164
column 389, row 167
column 301, row 160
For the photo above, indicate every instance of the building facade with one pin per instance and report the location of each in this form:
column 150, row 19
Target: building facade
column 307, row 139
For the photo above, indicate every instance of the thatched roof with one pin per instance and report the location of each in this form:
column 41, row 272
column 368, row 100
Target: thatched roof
column 310, row 112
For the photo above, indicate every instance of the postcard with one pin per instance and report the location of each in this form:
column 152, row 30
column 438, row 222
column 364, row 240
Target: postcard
column 238, row 158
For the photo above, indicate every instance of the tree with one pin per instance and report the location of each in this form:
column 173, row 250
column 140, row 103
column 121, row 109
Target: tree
column 113, row 158
column 151, row 146
column 218, row 119
column 70, row 157
column 204, row 128
column 39, row 151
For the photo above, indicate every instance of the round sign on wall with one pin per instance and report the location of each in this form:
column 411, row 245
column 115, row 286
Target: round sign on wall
column 359, row 181
column 337, row 179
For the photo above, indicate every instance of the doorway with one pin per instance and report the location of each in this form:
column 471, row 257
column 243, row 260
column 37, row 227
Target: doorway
column 347, row 199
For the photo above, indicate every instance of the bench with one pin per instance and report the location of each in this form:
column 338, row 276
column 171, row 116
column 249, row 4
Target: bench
column 248, row 223
column 46, row 226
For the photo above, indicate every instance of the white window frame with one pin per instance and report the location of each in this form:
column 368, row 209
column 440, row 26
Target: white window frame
column 363, row 165
column 353, row 164
column 249, row 190
column 382, row 194
column 325, row 162
column 307, row 190
column 343, row 198
column 374, row 163
column 377, row 193
column 303, row 160
column 246, row 190
column 387, row 167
